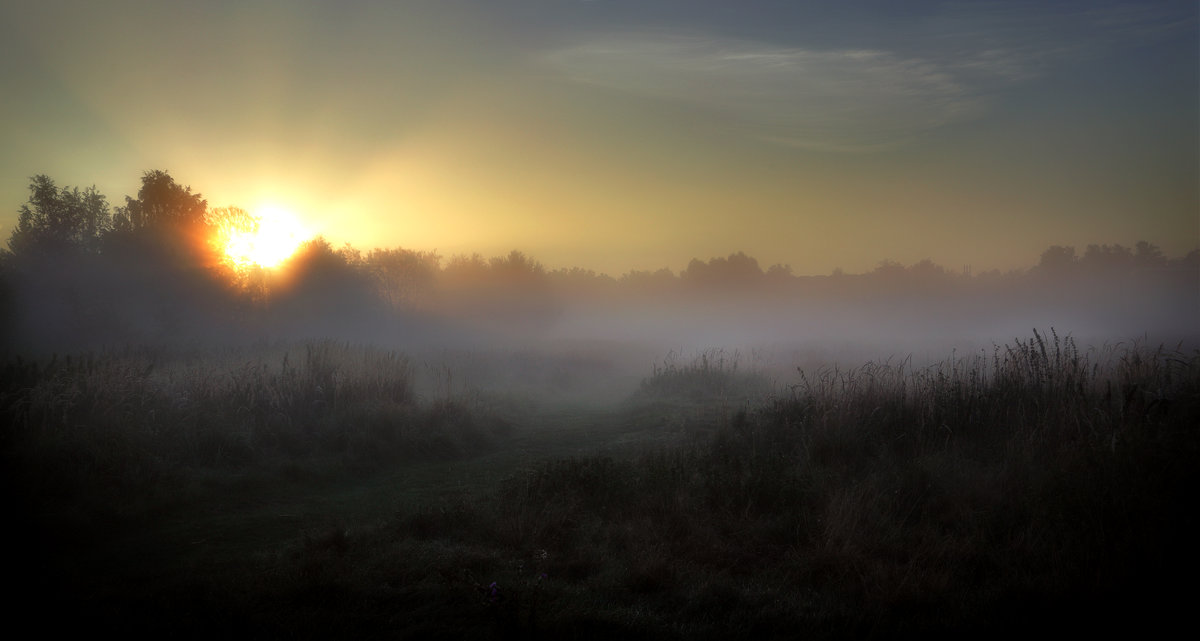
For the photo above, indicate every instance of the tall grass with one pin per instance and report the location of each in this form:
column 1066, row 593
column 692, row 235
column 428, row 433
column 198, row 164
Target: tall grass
column 135, row 420
column 699, row 394
column 1037, row 481
column 1040, row 480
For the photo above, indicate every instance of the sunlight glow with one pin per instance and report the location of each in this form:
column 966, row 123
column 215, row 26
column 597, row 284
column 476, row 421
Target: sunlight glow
column 277, row 236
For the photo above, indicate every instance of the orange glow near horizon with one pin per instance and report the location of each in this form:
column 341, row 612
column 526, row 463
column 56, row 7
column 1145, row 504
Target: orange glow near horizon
column 276, row 237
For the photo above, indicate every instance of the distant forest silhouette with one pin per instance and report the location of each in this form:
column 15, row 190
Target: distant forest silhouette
column 80, row 273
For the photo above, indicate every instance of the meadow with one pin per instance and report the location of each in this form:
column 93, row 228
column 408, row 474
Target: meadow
column 322, row 489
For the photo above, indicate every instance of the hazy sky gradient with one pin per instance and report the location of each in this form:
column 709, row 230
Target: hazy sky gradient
column 620, row 135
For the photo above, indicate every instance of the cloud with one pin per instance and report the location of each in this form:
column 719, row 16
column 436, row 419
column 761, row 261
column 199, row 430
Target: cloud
column 850, row 100
column 868, row 88
column 1021, row 40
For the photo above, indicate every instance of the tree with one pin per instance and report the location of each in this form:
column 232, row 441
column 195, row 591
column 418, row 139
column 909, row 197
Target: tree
column 1057, row 260
column 320, row 293
column 464, row 272
column 58, row 220
column 647, row 282
column 889, row 270
column 1189, row 263
column 779, row 272
column 516, row 267
column 167, row 223
column 162, row 202
column 1107, row 259
column 1148, row 256
column 230, row 221
column 927, row 271
column 405, row 278
column 734, row 271
column 581, row 282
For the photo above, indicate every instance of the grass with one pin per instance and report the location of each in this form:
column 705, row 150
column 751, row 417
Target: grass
column 697, row 395
column 1037, row 482
column 131, row 420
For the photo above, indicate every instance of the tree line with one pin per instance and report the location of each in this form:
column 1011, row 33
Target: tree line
column 78, row 268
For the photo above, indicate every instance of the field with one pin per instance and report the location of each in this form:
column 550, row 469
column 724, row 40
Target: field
column 331, row 490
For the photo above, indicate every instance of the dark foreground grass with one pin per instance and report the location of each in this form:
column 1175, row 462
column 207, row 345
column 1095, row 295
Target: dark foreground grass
column 132, row 424
column 1034, row 489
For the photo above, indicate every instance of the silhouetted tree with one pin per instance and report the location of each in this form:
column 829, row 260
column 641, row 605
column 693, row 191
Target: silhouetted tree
column 57, row 277
column 735, row 270
column 1190, row 262
column 321, row 291
column 8, row 300
column 888, row 270
column 578, row 282
column 511, row 292
column 516, row 267
column 221, row 226
column 779, row 271
column 463, row 270
column 646, row 282
column 316, row 261
column 168, row 228
column 1107, row 259
column 1057, row 260
column 405, row 278
column 928, row 272
column 58, row 220
column 226, row 222
column 1147, row 256
column 161, row 202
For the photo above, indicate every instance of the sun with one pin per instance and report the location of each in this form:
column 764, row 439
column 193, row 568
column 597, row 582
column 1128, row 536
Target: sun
column 276, row 236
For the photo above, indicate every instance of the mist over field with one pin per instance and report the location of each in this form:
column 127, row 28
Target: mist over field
column 669, row 319
column 531, row 436
column 155, row 273
column 82, row 278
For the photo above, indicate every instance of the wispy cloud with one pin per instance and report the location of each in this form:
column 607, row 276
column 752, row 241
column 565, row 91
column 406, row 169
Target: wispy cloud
column 1021, row 40
column 841, row 100
column 865, row 89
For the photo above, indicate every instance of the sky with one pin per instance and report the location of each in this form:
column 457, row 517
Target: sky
column 620, row 135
